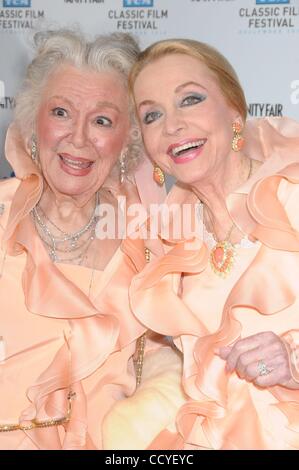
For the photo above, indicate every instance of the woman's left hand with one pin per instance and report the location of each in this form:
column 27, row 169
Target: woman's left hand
column 261, row 358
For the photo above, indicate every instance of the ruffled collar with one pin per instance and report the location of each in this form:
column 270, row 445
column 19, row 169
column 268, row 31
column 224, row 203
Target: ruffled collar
column 274, row 142
column 30, row 188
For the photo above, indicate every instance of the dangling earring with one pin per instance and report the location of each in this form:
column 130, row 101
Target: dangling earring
column 158, row 175
column 238, row 141
column 122, row 166
column 34, row 151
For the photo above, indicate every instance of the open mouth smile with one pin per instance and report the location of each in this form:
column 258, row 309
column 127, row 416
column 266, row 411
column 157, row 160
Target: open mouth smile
column 186, row 151
column 75, row 166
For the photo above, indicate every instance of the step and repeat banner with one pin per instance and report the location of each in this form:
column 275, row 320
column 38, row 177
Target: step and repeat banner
column 259, row 37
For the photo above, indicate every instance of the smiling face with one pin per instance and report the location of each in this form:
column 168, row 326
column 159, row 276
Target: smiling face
column 82, row 126
column 186, row 122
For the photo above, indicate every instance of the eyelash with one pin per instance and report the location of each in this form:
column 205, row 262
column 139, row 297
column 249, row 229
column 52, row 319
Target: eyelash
column 105, row 122
column 108, row 122
column 154, row 115
column 55, row 112
column 195, row 99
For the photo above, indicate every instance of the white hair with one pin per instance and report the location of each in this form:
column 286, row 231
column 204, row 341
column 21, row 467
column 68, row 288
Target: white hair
column 111, row 52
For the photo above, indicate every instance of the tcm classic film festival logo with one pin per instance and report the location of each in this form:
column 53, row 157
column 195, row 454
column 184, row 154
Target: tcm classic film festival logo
column 270, row 16
column 18, row 15
column 140, row 16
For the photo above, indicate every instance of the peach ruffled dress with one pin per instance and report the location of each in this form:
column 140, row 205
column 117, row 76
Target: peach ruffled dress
column 180, row 295
column 63, row 327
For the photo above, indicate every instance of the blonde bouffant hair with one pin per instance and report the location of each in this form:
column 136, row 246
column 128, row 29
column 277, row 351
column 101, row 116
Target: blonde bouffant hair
column 223, row 71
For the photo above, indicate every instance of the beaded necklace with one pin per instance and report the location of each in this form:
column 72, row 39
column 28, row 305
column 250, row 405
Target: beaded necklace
column 66, row 242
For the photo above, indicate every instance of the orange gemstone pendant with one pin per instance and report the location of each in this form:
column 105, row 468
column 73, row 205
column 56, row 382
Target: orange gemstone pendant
column 222, row 258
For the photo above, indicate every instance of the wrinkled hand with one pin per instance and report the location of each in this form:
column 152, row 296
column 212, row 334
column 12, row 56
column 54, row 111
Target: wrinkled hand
column 244, row 357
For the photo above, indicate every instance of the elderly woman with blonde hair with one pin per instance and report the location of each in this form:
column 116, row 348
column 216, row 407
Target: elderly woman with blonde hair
column 67, row 333
column 229, row 299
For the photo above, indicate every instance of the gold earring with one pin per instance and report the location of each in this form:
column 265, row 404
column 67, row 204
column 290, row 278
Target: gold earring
column 238, row 141
column 158, row 175
column 34, row 151
column 122, row 167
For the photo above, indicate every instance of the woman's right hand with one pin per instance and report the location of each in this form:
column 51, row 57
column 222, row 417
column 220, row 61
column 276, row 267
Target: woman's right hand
column 261, row 358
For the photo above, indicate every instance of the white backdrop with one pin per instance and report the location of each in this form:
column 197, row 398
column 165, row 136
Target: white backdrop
column 259, row 37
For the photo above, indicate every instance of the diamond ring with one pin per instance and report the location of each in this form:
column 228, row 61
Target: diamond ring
column 262, row 368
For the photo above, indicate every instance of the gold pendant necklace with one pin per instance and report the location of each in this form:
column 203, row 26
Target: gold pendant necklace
column 223, row 254
column 222, row 258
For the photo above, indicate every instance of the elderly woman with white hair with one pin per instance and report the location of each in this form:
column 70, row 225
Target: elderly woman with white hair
column 67, row 333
